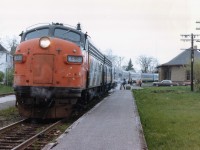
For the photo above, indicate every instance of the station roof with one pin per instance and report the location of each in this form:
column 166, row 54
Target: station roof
column 2, row 49
column 182, row 59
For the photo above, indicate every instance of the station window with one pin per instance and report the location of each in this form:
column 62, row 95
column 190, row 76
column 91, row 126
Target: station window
column 187, row 75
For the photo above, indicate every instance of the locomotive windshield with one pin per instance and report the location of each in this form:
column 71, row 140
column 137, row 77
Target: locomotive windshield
column 67, row 35
column 37, row 33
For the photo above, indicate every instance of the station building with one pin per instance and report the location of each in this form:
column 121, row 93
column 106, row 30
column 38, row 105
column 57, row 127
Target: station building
column 178, row 69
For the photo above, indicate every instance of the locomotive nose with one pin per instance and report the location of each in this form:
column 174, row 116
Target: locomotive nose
column 42, row 68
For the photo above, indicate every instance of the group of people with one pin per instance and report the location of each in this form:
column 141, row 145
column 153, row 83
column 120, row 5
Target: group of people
column 123, row 83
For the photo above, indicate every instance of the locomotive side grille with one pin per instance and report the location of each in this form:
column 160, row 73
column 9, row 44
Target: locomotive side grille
column 43, row 66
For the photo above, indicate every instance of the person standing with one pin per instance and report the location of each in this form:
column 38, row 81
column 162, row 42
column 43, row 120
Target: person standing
column 124, row 84
column 140, row 82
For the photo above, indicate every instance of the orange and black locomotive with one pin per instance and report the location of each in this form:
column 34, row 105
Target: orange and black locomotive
column 56, row 67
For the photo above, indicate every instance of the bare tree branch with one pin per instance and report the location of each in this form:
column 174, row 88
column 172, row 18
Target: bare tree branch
column 116, row 60
column 12, row 44
column 147, row 64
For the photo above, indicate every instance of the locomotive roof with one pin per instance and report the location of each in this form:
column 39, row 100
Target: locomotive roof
column 53, row 25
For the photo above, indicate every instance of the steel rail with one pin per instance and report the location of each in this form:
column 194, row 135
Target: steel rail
column 34, row 138
column 6, row 128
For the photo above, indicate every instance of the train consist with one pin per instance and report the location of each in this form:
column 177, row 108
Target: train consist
column 56, row 67
column 128, row 75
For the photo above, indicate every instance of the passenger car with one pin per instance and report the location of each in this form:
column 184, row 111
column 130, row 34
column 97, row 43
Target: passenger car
column 165, row 83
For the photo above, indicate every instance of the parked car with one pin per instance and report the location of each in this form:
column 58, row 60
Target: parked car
column 165, row 83
column 2, row 83
column 187, row 83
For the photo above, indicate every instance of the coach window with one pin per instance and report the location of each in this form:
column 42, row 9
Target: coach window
column 37, row 33
column 67, row 35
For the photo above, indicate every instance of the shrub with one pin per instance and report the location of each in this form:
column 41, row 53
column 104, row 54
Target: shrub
column 197, row 75
column 9, row 77
column 1, row 76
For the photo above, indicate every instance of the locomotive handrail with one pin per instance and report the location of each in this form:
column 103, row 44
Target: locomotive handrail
column 39, row 24
column 35, row 25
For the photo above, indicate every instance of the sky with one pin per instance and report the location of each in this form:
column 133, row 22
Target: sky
column 130, row 28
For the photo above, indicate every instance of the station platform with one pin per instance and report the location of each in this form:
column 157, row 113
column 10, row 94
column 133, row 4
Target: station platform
column 7, row 101
column 113, row 124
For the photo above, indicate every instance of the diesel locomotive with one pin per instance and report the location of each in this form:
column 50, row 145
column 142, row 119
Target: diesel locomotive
column 56, row 67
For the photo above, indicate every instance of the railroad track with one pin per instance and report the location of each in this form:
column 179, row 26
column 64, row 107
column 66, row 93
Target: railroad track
column 27, row 135
column 30, row 135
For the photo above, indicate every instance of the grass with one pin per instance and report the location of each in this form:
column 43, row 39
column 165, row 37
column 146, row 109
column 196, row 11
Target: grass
column 8, row 116
column 9, row 113
column 5, row 89
column 170, row 117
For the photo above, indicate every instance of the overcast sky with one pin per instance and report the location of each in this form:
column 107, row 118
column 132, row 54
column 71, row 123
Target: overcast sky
column 129, row 27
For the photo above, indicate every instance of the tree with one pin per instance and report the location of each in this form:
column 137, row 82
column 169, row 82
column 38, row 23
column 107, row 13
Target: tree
column 12, row 44
column 116, row 60
column 196, row 74
column 9, row 76
column 153, row 66
column 1, row 53
column 130, row 66
column 147, row 64
column 1, row 76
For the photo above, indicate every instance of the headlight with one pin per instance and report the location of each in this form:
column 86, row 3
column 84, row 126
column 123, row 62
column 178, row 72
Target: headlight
column 18, row 58
column 45, row 42
column 75, row 59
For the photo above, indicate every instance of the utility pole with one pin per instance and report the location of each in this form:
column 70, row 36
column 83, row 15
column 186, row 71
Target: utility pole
column 192, row 38
column 197, row 27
